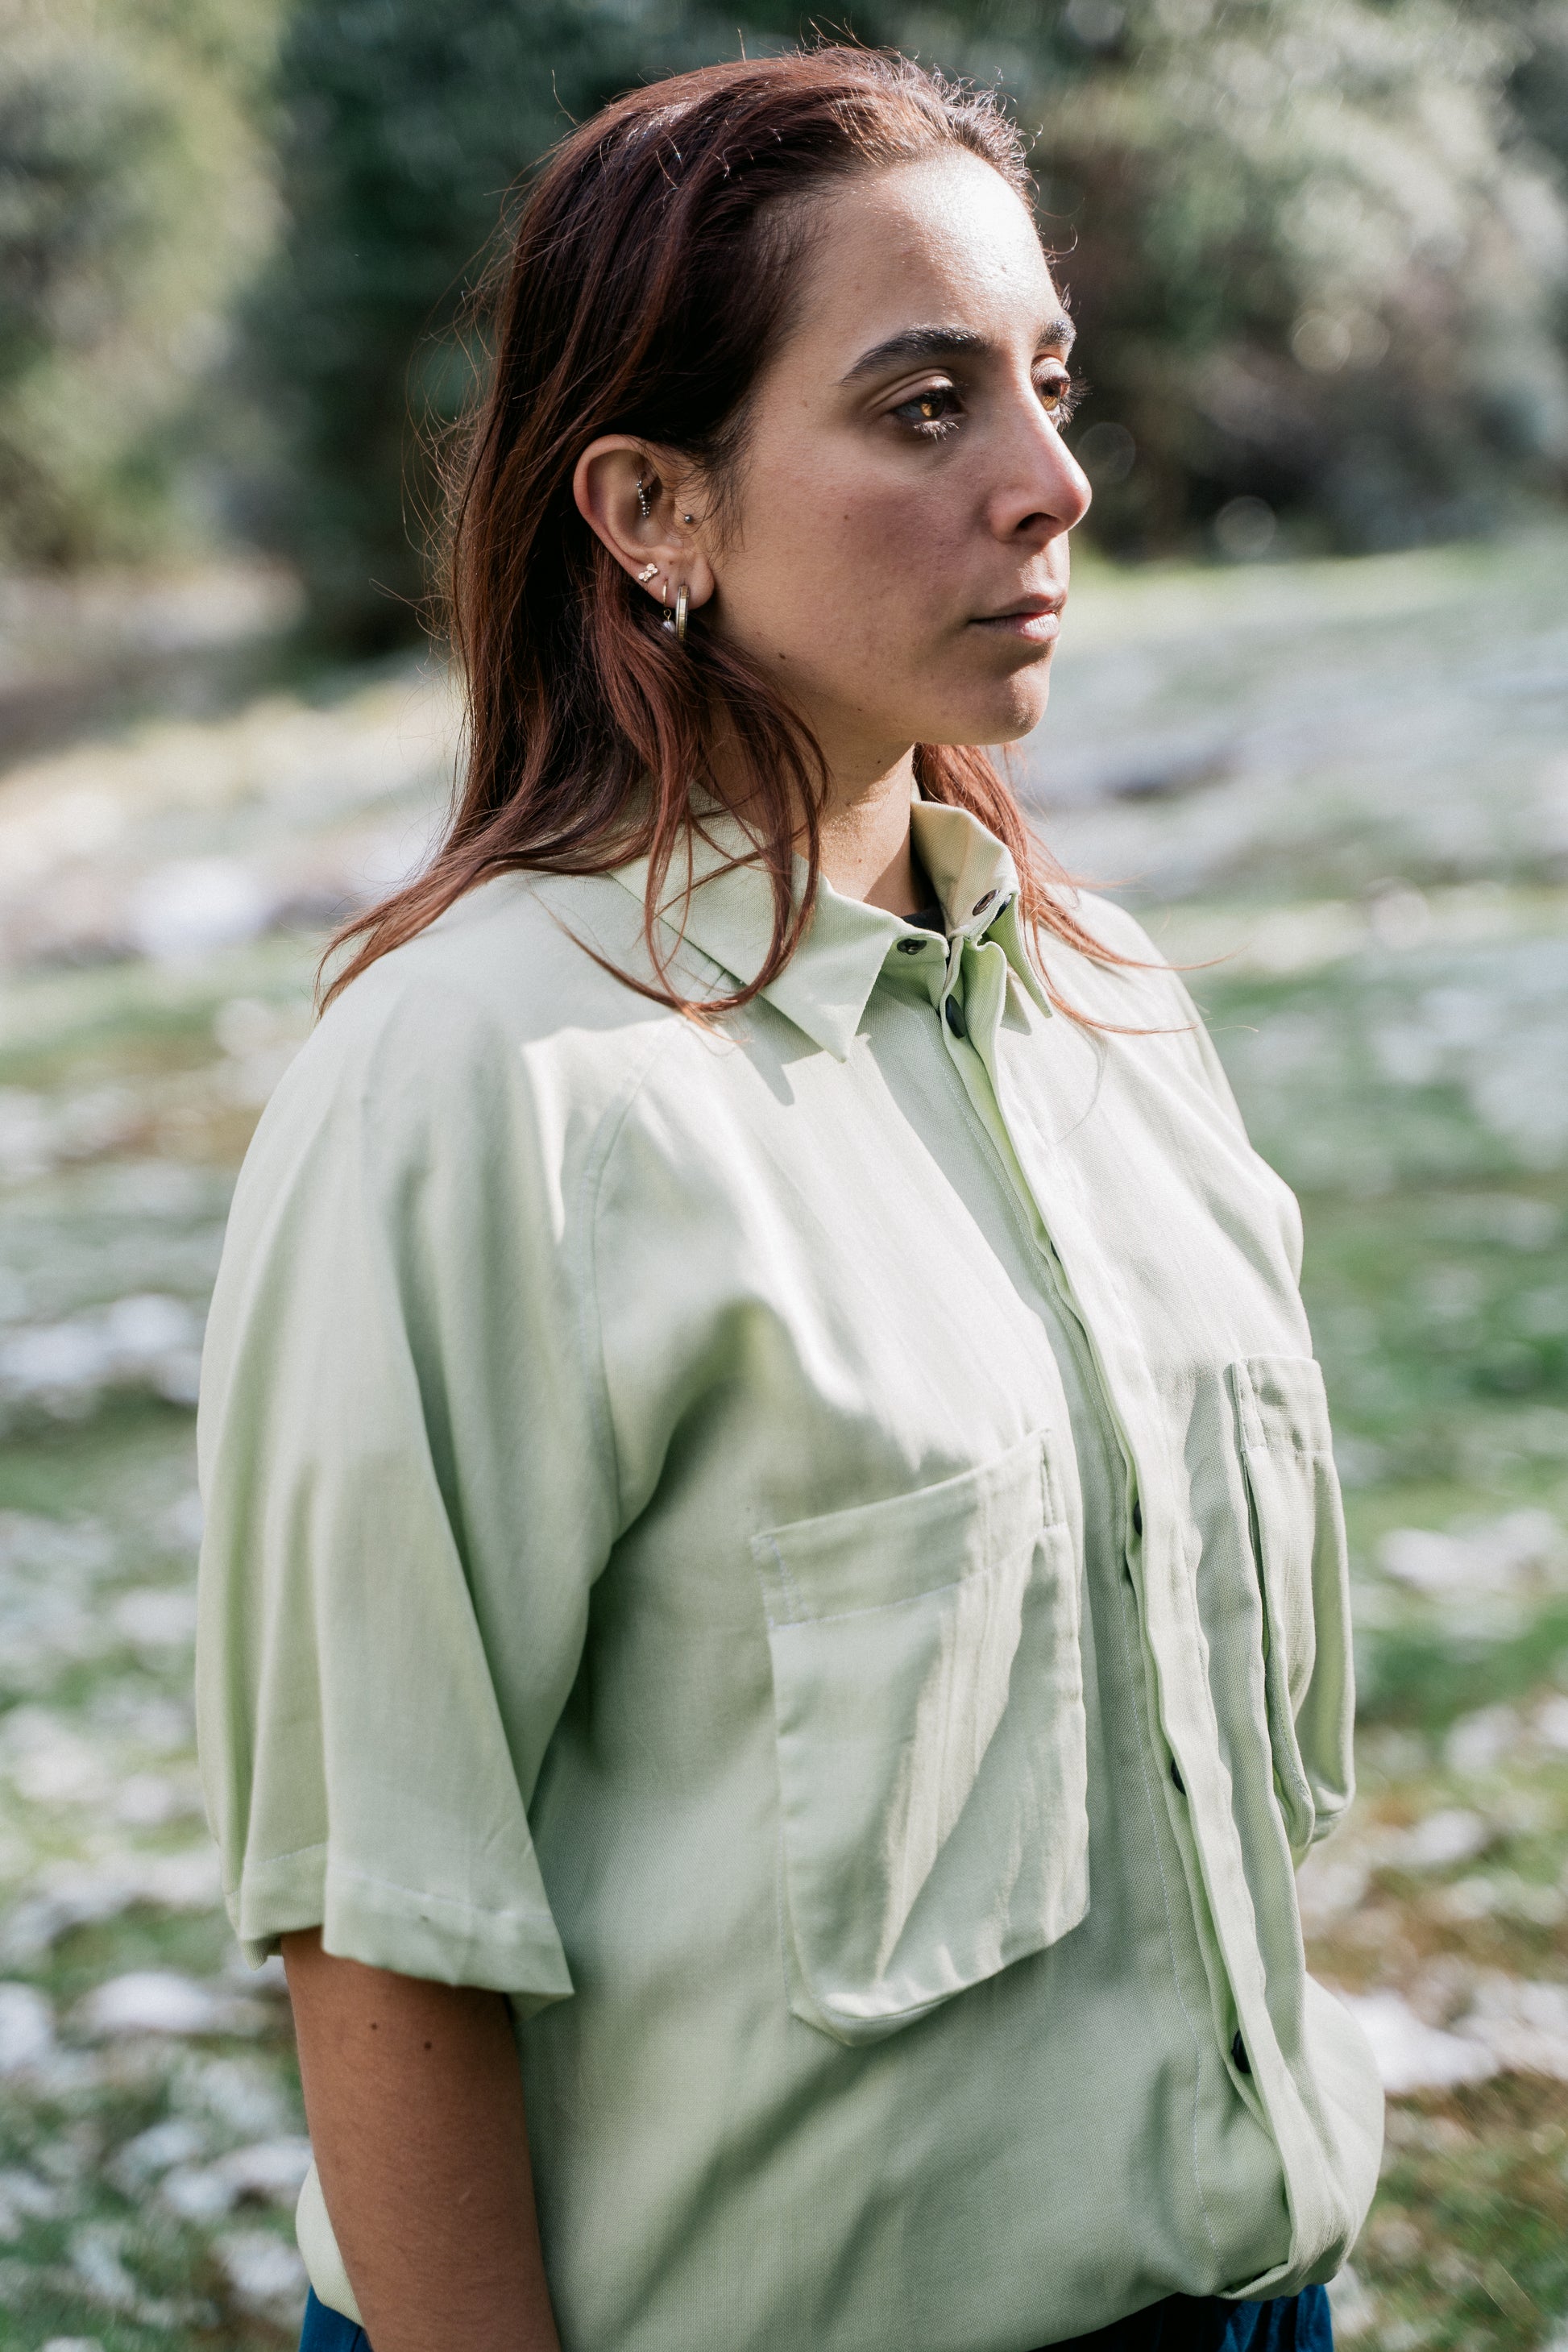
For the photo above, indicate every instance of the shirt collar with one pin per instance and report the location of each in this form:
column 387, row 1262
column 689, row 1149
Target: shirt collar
column 825, row 987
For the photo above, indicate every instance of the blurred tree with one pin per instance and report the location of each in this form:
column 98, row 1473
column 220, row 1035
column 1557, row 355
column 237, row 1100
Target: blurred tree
column 402, row 127
column 134, row 197
column 1318, row 248
column 1318, row 260
column 1538, row 84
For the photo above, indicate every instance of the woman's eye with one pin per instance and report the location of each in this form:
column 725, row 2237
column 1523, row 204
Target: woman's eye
column 929, row 412
column 1059, row 396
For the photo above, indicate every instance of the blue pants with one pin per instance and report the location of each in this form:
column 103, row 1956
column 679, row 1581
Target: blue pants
column 1294, row 2323
column 326, row 2330
column 1297, row 2323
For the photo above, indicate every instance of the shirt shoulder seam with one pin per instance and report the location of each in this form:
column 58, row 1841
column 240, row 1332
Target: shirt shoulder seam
column 612, row 1126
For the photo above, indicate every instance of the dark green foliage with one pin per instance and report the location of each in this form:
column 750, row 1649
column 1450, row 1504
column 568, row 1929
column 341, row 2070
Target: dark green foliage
column 404, row 127
column 133, row 202
column 1316, row 258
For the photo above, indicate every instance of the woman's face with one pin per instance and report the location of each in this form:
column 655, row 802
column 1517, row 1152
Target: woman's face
column 896, row 551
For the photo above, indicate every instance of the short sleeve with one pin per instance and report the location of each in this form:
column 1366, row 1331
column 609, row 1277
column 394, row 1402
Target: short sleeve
column 407, row 1496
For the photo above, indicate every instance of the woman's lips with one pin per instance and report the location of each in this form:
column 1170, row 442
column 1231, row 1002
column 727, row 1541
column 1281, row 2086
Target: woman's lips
column 1036, row 625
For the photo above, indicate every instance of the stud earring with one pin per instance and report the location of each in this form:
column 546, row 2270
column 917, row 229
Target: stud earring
column 689, row 517
column 645, row 574
column 644, row 499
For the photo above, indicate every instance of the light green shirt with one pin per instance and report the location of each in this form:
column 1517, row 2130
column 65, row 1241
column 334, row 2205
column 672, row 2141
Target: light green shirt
column 806, row 1553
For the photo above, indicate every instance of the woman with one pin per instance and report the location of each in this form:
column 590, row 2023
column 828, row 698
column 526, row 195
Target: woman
column 772, row 1546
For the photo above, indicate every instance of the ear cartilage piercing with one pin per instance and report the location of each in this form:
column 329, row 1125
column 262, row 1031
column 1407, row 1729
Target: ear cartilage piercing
column 689, row 517
column 645, row 574
column 644, row 499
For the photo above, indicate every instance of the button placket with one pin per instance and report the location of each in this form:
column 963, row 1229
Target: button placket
column 972, row 1006
column 950, row 1005
column 966, row 945
column 991, row 1088
column 1005, row 926
column 1205, row 1835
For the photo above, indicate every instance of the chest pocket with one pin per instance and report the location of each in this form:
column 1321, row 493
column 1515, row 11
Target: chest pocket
column 1298, row 1550
column 928, row 1689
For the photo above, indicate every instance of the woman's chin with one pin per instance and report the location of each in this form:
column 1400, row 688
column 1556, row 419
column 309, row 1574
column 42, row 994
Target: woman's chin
column 1012, row 709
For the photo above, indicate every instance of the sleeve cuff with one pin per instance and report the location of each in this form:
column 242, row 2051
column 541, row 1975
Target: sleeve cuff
column 515, row 1951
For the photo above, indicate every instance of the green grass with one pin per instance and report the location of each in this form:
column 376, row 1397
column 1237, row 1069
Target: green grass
column 1467, row 2251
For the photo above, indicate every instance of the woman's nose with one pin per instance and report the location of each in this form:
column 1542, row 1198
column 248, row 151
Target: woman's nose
column 1048, row 489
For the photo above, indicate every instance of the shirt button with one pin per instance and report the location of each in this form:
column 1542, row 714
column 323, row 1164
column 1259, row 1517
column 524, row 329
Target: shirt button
column 1238, row 2057
column 955, row 1016
column 1177, row 1776
column 911, row 947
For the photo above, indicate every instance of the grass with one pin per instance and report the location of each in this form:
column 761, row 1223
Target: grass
column 1467, row 2251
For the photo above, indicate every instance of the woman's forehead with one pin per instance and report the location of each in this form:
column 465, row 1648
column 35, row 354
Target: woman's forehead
column 942, row 242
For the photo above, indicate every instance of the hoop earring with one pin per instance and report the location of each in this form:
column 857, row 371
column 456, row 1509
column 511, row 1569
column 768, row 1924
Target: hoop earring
column 676, row 622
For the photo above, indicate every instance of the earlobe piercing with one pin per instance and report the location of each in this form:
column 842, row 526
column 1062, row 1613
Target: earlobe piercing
column 645, row 574
column 676, row 622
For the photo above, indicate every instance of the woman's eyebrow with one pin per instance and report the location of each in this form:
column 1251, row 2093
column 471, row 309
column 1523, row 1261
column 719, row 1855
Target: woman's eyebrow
column 946, row 344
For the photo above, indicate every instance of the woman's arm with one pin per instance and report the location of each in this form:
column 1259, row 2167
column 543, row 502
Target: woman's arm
column 415, row 2102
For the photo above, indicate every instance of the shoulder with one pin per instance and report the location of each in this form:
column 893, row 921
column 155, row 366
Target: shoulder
column 1113, row 928
column 527, row 956
column 1133, row 983
column 507, row 1011
column 1139, row 993
column 524, row 963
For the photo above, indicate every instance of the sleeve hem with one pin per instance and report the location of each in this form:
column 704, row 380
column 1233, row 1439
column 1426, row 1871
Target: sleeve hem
column 412, row 1933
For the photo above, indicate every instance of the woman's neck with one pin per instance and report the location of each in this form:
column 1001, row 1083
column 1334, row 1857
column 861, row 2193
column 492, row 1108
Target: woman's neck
column 864, row 836
column 866, row 844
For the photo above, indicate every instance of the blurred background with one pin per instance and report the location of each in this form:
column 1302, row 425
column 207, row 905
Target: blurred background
column 1309, row 720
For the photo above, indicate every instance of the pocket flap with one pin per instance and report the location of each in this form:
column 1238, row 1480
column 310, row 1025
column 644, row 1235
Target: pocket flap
column 912, row 1544
column 1281, row 1404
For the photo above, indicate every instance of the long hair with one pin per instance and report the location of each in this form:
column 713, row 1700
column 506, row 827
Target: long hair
column 650, row 275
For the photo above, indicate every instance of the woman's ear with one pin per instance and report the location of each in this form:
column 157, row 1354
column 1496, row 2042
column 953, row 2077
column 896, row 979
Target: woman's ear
column 623, row 497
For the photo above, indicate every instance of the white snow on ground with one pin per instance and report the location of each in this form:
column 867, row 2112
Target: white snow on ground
column 1511, row 2028
column 1522, row 1552
column 161, row 2000
column 190, row 836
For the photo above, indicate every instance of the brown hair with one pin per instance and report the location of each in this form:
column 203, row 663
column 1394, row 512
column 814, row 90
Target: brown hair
column 648, row 281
